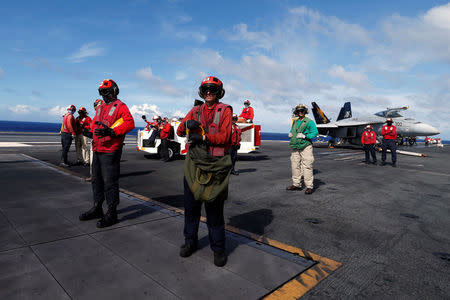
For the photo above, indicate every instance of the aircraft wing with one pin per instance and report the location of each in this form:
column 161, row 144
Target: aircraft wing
column 346, row 123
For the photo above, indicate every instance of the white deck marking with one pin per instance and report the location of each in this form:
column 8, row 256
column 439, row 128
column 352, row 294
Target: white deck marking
column 12, row 144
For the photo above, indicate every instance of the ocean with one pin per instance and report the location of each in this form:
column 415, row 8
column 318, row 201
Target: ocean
column 20, row 126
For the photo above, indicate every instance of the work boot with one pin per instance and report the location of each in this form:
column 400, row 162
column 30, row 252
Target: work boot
column 110, row 218
column 63, row 164
column 308, row 191
column 293, row 188
column 94, row 213
column 220, row 259
column 383, row 163
column 187, row 250
column 234, row 172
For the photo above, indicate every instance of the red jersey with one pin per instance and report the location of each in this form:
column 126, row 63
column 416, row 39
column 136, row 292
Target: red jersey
column 83, row 122
column 69, row 124
column 108, row 114
column 235, row 135
column 165, row 131
column 369, row 138
column 389, row 132
column 247, row 113
column 222, row 137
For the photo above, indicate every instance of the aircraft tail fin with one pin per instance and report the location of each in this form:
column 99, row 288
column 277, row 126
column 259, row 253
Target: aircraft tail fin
column 319, row 115
column 346, row 112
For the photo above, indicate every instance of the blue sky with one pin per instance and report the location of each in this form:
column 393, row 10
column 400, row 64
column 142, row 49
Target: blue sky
column 376, row 54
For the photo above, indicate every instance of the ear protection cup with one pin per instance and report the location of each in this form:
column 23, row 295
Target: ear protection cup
column 222, row 93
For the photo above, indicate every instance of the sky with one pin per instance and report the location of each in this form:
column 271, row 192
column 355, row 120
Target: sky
column 277, row 54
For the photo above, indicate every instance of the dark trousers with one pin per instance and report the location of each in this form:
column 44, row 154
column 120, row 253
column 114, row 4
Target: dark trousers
column 214, row 220
column 165, row 149
column 105, row 177
column 370, row 150
column 66, row 141
column 389, row 144
column 154, row 135
column 233, row 153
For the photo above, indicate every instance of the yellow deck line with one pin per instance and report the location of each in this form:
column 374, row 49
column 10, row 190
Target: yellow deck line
column 292, row 289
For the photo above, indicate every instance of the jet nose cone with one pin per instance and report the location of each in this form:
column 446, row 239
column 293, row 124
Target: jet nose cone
column 428, row 130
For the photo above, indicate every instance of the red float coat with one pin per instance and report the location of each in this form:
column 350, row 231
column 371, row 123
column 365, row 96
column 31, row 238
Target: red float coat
column 247, row 113
column 165, row 131
column 369, row 138
column 218, row 135
column 235, row 135
column 389, row 132
column 86, row 122
column 108, row 113
column 69, row 124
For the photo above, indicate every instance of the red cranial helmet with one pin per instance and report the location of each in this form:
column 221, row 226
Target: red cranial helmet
column 97, row 103
column 108, row 87
column 82, row 109
column 213, row 85
column 369, row 127
column 71, row 108
column 247, row 102
column 389, row 120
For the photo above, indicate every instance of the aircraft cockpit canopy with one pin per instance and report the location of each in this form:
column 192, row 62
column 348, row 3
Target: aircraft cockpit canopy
column 389, row 114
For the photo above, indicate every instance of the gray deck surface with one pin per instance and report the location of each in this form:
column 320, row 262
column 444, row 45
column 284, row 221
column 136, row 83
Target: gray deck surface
column 385, row 225
column 47, row 253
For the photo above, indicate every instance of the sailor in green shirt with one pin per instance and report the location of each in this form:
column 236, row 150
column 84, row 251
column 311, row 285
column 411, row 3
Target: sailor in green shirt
column 302, row 132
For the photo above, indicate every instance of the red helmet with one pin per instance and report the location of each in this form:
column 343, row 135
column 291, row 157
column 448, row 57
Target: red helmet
column 247, row 102
column 83, row 109
column 71, row 108
column 368, row 126
column 107, row 87
column 235, row 117
column 214, row 85
column 156, row 117
column 98, row 102
column 389, row 120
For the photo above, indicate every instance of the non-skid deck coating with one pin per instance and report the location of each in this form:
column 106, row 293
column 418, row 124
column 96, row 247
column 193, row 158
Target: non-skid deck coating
column 47, row 253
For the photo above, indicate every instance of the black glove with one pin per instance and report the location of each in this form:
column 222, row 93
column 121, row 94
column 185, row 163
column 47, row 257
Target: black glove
column 105, row 131
column 87, row 132
column 195, row 138
column 192, row 124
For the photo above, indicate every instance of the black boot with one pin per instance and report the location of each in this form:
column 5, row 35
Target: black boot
column 187, row 250
column 109, row 219
column 220, row 259
column 95, row 212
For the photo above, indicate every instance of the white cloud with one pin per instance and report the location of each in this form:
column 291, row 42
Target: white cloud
column 57, row 111
column 156, row 83
column 439, row 16
column 22, row 109
column 172, row 30
column 148, row 110
column 85, row 51
column 354, row 79
column 180, row 75
column 256, row 39
column 2, row 73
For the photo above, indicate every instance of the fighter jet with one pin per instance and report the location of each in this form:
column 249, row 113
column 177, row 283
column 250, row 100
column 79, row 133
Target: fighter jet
column 348, row 129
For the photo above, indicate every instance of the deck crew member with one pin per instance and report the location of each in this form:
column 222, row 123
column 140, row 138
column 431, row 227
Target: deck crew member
column 368, row 140
column 111, row 122
column 302, row 132
column 165, row 128
column 87, row 133
column 68, row 129
column 389, row 133
column 247, row 113
column 156, row 133
column 235, row 143
column 207, row 168
column 81, row 141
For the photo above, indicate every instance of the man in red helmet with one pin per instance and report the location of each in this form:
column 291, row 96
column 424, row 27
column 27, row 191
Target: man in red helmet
column 165, row 128
column 112, row 121
column 209, row 134
column 389, row 133
column 368, row 140
column 235, row 142
column 68, row 131
column 81, row 141
column 247, row 112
